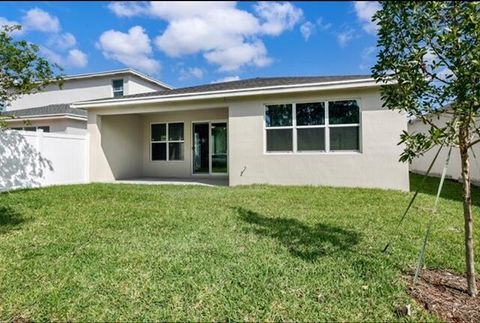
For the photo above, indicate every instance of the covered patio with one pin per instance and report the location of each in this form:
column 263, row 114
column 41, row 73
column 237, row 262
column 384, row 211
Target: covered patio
column 161, row 145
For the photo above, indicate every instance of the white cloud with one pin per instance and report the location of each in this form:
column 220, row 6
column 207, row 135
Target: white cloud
column 52, row 56
column 323, row 26
column 367, row 58
column 191, row 73
column 37, row 19
column 232, row 58
column 127, row 8
column 62, row 41
column 216, row 28
column 227, row 79
column 345, row 37
column 277, row 17
column 307, row 29
column 74, row 58
column 365, row 11
column 132, row 49
column 77, row 58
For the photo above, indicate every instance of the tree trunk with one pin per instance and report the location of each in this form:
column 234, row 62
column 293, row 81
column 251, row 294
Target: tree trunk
column 468, row 216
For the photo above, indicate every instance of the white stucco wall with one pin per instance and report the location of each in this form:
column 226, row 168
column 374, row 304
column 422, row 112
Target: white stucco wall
column 375, row 166
column 420, row 164
column 75, row 90
column 137, row 85
column 61, row 125
column 116, row 147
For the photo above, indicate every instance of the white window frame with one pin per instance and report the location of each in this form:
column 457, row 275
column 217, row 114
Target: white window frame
column 167, row 142
column 326, row 126
column 123, row 87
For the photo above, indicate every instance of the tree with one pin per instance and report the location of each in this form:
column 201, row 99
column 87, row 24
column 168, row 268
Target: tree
column 430, row 51
column 22, row 69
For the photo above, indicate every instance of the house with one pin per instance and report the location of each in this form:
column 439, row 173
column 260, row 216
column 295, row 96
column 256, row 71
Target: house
column 327, row 130
column 421, row 164
column 51, row 111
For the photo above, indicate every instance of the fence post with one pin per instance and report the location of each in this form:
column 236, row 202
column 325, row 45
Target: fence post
column 39, row 135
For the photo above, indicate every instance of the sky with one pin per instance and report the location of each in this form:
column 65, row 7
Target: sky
column 189, row 43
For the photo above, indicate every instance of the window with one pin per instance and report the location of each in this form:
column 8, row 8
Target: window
column 32, row 128
column 117, row 86
column 314, row 126
column 167, row 141
column 279, row 124
column 344, row 120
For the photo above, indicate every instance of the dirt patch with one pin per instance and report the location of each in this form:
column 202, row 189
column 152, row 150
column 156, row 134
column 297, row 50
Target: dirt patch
column 445, row 294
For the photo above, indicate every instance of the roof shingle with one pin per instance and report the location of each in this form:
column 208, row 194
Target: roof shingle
column 49, row 110
column 253, row 83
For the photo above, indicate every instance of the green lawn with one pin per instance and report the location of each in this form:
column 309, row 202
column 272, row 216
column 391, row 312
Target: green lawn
column 131, row 252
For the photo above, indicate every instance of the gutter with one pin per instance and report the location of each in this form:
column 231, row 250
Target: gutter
column 44, row 117
column 277, row 89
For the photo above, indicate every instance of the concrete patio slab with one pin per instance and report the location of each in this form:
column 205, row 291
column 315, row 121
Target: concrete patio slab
column 202, row 181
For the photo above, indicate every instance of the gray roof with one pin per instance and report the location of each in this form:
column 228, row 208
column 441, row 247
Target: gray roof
column 49, row 110
column 258, row 82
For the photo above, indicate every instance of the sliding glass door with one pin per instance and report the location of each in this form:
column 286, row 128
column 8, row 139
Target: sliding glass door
column 210, row 148
column 201, row 143
column 219, row 147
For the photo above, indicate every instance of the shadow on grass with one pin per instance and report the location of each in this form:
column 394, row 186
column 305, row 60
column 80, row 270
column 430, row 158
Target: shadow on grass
column 452, row 190
column 303, row 241
column 9, row 220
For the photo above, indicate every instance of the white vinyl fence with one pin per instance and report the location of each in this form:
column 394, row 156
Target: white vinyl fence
column 32, row 159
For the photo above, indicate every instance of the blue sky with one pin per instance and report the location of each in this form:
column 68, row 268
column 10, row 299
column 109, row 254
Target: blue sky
column 185, row 43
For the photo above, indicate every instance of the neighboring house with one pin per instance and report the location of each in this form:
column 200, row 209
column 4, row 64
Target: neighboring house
column 421, row 164
column 51, row 110
column 284, row 130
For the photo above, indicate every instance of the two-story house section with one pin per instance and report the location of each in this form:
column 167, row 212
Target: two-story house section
column 51, row 111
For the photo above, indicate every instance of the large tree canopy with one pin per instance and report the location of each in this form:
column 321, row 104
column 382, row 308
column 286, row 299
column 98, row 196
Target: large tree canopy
column 22, row 69
column 431, row 52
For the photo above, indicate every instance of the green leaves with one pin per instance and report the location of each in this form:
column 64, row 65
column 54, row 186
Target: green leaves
column 432, row 51
column 22, row 69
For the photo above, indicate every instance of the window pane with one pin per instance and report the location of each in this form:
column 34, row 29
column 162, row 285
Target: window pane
column 159, row 151
column 310, row 114
column 341, row 112
column 175, row 131
column 175, row 151
column 311, row 139
column 117, row 85
column 279, row 115
column 30, row 129
column 159, row 132
column 44, row 128
column 279, row 140
column 344, row 138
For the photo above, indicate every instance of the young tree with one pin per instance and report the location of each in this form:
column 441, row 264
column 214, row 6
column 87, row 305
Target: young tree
column 431, row 52
column 22, row 69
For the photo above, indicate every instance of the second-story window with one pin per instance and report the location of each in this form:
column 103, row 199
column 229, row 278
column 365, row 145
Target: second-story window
column 117, row 88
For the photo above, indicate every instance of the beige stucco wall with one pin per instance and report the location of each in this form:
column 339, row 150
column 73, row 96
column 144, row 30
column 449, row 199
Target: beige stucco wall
column 420, row 164
column 115, row 147
column 81, row 90
column 375, row 166
column 176, row 168
column 63, row 125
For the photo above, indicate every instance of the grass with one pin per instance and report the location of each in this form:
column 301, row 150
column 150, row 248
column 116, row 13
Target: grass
column 109, row 252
